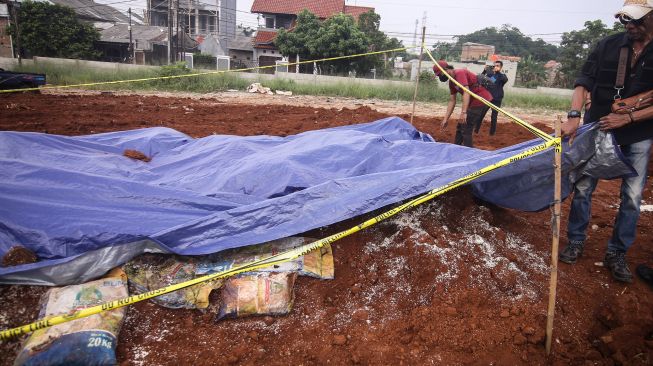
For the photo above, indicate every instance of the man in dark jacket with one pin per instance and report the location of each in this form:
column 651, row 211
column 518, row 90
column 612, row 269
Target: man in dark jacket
column 499, row 79
column 633, row 131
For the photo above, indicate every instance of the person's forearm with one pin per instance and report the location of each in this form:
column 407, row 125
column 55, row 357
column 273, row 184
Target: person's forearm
column 578, row 98
column 450, row 106
column 642, row 115
column 466, row 99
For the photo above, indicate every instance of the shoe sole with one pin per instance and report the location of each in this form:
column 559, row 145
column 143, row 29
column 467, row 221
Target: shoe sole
column 569, row 261
column 624, row 280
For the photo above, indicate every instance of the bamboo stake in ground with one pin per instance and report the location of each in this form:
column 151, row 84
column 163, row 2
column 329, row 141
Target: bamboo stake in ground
column 556, row 239
column 419, row 70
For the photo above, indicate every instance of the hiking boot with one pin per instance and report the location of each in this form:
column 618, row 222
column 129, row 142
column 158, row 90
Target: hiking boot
column 572, row 252
column 615, row 260
column 646, row 274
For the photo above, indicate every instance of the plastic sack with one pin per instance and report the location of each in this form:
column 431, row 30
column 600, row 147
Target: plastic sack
column 87, row 341
column 153, row 271
column 264, row 293
column 317, row 263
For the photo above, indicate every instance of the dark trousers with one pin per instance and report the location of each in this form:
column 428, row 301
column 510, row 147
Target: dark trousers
column 464, row 130
column 493, row 119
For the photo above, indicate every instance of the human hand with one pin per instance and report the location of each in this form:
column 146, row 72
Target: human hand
column 444, row 123
column 613, row 120
column 463, row 117
column 569, row 128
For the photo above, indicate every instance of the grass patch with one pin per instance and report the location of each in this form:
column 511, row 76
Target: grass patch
column 430, row 91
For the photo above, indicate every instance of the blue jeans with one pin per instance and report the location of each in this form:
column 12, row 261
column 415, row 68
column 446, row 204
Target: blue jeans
column 625, row 226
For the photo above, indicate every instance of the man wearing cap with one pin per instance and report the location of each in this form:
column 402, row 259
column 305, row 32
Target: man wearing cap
column 632, row 131
column 472, row 111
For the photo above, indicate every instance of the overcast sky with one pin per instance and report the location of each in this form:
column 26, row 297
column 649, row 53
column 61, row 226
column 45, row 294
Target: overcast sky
column 462, row 17
column 538, row 19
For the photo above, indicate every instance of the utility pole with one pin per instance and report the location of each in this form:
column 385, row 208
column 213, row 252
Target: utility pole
column 14, row 12
column 131, row 44
column 415, row 34
column 419, row 71
column 169, row 31
column 148, row 13
column 189, row 24
column 177, row 24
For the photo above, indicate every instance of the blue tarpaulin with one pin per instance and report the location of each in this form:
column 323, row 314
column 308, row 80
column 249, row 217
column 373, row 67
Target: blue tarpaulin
column 83, row 207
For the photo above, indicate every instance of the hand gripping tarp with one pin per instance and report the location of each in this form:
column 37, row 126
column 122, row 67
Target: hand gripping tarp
column 83, row 208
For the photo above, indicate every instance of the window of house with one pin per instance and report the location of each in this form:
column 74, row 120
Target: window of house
column 269, row 22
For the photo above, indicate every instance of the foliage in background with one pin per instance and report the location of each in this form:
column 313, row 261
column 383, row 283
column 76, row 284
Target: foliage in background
column 339, row 35
column 510, row 41
column 369, row 23
column 298, row 42
column 530, row 73
column 54, row 31
column 445, row 51
column 576, row 46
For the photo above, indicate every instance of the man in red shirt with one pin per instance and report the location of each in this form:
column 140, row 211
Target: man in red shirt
column 473, row 111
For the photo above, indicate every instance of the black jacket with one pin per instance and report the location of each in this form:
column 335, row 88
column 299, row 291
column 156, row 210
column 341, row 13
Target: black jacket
column 500, row 79
column 599, row 74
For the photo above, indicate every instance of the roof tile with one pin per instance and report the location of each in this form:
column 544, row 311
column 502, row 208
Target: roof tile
column 322, row 8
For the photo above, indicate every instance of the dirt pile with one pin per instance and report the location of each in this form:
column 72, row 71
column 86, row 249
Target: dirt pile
column 454, row 281
column 18, row 255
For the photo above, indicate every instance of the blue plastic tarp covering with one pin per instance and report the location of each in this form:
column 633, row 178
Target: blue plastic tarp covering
column 83, row 207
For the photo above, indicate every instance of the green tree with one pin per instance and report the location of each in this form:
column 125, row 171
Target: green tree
column 445, row 51
column 369, row 24
column 339, row 36
column 54, row 31
column 296, row 42
column 576, row 46
column 509, row 40
column 530, row 73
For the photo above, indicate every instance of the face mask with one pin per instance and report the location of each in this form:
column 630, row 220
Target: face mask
column 443, row 78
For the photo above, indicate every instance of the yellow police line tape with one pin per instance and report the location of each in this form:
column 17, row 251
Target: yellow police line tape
column 279, row 258
column 537, row 132
column 203, row 73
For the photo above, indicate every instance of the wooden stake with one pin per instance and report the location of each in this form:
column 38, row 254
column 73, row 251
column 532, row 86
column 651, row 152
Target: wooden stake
column 419, row 70
column 555, row 240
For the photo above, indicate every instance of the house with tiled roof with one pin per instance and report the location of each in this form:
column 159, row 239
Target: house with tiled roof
column 278, row 14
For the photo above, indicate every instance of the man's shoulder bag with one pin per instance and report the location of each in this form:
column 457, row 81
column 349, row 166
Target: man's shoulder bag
column 630, row 104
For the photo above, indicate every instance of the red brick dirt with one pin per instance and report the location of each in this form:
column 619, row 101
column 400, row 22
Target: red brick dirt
column 455, row 281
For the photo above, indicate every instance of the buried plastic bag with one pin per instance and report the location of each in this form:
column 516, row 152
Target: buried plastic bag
column 258, row 294
column 87, row 341
column 317, row 263
column 153, row 271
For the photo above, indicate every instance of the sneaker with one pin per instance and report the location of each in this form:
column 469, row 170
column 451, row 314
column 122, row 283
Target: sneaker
column 615, row 260
column 572, row 252
column 646, row 274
